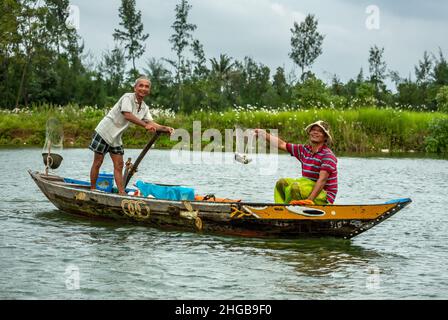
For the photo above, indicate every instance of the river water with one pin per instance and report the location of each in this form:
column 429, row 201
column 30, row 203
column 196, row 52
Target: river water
column 49, row 254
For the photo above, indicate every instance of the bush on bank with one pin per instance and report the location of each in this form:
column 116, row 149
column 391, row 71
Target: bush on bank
column 362, row 130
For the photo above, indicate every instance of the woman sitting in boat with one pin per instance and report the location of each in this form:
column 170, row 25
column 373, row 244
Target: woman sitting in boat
column 107, row 136
column 319, row 182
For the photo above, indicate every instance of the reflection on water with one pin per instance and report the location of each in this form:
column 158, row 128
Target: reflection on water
column 313, row 257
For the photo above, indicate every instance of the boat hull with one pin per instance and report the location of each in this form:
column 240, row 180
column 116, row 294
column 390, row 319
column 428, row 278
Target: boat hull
column 231, row 218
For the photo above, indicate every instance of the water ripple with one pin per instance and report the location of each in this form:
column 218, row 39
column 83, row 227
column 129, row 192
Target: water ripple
column 403, row 258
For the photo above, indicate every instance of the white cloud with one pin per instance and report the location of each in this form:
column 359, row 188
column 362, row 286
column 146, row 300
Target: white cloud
column 278, row 9
column 288, row 15
column 261, row 29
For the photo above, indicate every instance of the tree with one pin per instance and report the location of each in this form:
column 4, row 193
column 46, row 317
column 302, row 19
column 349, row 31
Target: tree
column 409, row 93
column 442, row 99
column 256, row 76
column 277, row 94
column 9, row 50
column 62, row 36
column 395, row 77
column 112, row 68
column 423, row 69
column 360, row 77
column 440, row 71
column 33, row 39
column 306, row 43
column 377, row 67
column 180, row 40
column 311, row 93
column 280, row 85
column 200, row 69
column 132, row 35
column 337, row 87
column 221, row 69
column 365, row 93
column 161, row 82
column 350, row 89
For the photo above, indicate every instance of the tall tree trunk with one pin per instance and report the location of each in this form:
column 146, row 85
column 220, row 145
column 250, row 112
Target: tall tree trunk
column 25, row 96
column 22, row 81
column 179, row 80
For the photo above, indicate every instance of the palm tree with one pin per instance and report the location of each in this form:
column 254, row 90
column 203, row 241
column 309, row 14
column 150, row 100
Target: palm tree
column 161, row 79
column 221, row 69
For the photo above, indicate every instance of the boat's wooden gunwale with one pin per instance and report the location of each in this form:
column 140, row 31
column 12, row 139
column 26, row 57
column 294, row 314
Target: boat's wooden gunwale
column 238, row 218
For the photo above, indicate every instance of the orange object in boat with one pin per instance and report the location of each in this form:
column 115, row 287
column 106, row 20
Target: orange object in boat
column 212, row 198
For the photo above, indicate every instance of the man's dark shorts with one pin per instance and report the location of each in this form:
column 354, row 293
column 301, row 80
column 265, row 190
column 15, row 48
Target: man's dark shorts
column 98, row 145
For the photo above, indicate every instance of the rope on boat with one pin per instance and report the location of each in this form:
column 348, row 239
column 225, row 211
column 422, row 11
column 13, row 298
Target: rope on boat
column 245, row 212
column 192, row 214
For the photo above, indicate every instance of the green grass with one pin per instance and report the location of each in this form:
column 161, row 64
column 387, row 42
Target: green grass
column 358, row 130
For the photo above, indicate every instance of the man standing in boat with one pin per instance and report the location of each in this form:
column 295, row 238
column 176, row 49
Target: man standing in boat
column 107, row 137
column 319, row 182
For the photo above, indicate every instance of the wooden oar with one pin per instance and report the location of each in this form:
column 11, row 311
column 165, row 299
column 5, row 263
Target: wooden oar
column 133, row 169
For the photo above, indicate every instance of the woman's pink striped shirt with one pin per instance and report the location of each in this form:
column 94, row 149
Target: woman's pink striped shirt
column 313, row 163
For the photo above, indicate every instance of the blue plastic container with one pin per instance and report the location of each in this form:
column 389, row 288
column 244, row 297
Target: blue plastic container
column 105, row 182
column 165, row 192
column 74, row 181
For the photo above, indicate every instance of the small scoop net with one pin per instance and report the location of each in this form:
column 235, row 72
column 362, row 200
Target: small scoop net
column 51, row 152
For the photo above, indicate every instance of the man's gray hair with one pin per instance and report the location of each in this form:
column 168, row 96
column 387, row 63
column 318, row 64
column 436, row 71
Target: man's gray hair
column 141, row 78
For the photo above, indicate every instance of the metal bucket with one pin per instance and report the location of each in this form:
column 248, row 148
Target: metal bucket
column 54, row 160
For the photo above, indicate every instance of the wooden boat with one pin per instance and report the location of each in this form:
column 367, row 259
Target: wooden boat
column 232, row 218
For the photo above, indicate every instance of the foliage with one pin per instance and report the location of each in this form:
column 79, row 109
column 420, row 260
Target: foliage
column 437, row 140
column 132, row 35
column 423, row 70
column 112, row 69
column 365, row 93
column 200, row 70
column 440, row 71
column 354, row 130
column 180, row 40
column 42, row 61
column 377, row 67
column 311, row 93
column 306, row 42
column 442, row 99
column 182, row 29
column 161, row 82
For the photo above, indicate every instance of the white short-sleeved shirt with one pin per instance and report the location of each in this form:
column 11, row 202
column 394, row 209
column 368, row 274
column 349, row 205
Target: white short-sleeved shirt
column 113, row 125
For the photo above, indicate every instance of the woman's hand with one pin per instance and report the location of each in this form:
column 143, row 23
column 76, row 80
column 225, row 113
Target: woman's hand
column 306, row 202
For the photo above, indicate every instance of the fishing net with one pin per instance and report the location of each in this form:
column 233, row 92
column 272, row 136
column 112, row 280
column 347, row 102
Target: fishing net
column 243, row 148
column 54, row 138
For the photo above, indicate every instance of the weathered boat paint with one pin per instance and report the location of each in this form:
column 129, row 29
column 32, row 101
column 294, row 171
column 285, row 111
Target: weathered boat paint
column 237, row 218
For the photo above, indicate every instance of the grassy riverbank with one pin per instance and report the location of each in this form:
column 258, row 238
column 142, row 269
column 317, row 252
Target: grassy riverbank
column 357, row 130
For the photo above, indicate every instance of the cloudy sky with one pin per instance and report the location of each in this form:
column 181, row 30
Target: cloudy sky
column 261, row 29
